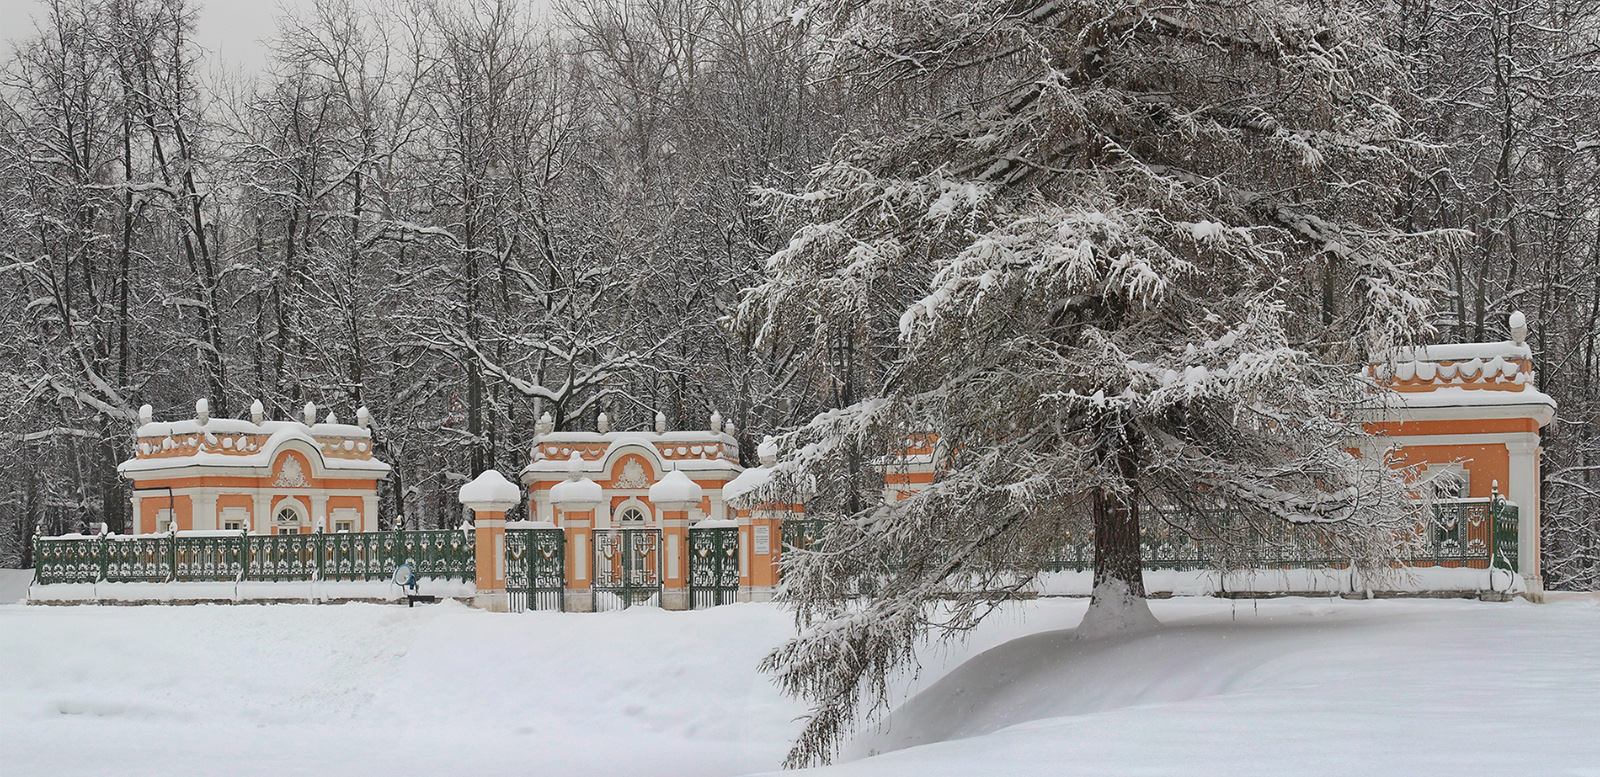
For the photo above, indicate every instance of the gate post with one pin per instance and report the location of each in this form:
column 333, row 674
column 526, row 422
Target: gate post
column 490, row 495
column 675, row 495
column 576, row 499
column 766, row 537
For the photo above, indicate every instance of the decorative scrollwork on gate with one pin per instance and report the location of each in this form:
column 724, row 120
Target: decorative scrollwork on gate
column 713, row 566
column 627, row 568
column 535, row 569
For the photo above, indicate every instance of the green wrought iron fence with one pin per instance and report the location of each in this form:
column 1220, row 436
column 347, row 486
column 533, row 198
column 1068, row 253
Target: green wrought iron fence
column 357, row 556
column 713, row 566
column 445, row 553
column 1503, row 550
column 1479, row 533
column 68, row 559
column 283, row 557
column 627, row 568
column 235, row 556
column 209, row 558
column 138, row 559
column 535, row 569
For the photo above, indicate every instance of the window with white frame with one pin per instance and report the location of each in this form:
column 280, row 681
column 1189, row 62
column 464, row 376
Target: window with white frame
column 346, row 519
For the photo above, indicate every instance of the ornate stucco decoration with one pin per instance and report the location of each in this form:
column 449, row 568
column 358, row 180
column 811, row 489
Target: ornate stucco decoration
column 632, row 476
column 292, row 475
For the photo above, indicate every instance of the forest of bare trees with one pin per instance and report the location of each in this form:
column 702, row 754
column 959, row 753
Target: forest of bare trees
column 462, row 215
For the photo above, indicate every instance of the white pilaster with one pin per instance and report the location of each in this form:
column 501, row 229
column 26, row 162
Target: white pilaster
column 205, row 510
column 369, row 512
column 260, row 514
column 1524, row 491
column 319, row 512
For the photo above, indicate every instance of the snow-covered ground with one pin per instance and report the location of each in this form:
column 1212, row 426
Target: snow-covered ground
column 1402, row 687
column 14, row 585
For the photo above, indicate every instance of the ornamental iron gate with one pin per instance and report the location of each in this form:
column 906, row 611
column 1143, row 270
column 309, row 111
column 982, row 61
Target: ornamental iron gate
column 713, row 566
column 535, row 569
column 627, row 568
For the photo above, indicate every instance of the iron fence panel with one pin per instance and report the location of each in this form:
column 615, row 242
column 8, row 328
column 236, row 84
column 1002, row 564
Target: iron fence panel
column 212, row 559
column 138, row 559
column 64, row 560
column 282, row 557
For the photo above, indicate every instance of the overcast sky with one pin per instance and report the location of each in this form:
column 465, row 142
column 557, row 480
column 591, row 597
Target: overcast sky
column 230, row 31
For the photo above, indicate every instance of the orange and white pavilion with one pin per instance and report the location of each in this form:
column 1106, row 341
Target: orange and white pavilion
column 257, row 475
column 1470, row 410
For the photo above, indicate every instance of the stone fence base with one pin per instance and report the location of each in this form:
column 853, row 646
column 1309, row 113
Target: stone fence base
column 320, row 592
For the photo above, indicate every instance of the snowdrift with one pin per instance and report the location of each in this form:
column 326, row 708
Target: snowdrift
column 1285, row 686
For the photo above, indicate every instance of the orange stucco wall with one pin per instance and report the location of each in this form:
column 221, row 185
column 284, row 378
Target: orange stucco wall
column 1485, row 464
column 1468, row 426
column 155, row 502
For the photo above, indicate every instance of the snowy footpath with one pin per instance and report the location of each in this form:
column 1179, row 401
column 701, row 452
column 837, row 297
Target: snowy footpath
column 1288, row 686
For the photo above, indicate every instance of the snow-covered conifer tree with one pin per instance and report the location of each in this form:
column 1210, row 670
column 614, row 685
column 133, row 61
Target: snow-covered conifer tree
column 1124, row 262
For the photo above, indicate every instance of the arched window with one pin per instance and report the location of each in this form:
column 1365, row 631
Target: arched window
column 287, row 521
column 632, row 515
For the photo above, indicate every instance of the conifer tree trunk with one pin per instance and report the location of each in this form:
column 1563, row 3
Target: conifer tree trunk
column 1116, row 533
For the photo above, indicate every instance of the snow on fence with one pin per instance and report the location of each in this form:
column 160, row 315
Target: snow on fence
column 1471, row 545
column 234, row 556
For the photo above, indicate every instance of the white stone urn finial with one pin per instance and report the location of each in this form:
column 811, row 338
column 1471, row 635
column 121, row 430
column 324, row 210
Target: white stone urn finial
column 661, row 422
column 577, row 493
column 202, row 411
column 309, row 414
column 258, row 413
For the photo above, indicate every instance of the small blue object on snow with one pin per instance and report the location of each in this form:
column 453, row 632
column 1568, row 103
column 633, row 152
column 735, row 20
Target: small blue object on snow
column 405, row 576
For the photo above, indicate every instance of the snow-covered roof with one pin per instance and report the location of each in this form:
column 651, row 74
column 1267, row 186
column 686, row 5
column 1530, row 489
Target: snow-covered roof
column 1494, row 379
column 248, row 447
column 1526, row 402
column 700, row 451
column 1460, row 352
column 755, row 486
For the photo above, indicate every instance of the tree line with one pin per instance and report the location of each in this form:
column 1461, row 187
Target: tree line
column 464, row 215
